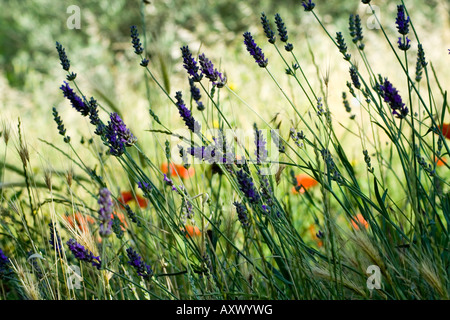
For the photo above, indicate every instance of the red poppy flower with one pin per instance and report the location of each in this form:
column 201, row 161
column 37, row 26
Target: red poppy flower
column 440, row 161
column 177, row 168
column 127, row 196
column 359, row 222
column 191, row 231
column 304, row 182
column 445, row 129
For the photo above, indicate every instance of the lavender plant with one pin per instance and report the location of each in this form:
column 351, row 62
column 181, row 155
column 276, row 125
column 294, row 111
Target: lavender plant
column 219, row 217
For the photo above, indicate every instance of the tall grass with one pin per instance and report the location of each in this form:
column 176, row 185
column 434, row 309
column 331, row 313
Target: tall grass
column 215, row 210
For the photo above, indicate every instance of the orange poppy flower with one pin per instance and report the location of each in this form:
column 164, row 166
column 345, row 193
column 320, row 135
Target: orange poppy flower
column 358, row 222
column 82, row 221
column 191, row 231
column 440, row 161
column 312, row 231
column 305, row 182
column 177, row 168
column 445, row 129
column 127, row 196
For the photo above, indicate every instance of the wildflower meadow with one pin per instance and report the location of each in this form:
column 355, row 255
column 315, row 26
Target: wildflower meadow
column 265, row 150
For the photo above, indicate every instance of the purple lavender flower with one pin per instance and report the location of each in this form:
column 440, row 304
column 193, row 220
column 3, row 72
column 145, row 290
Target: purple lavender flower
column 137, row 45
column 247, row 187
column 242, row 214
column 116, row 146
column 356, row 30
column 421, row 63
column 392, row 97
column 59, row 122
column 117, row 227
column 342, row 46
column 55, row 240
column 421, row 56
column 319, row 234
column 144, row 186
column 267, row 30
column 81, row 253
column 266, row 190
column 308, row 5
column 210, row 73
column 94, row 118
column 122, row 131
column 105, row 212
column 133, row 217
column 195, row 94
column 76, row 101
column 355, row 77
column 118, row 135
column 402, row 20
column 144, row 62
column 4, row 264
column 190, row 64
column 254, row 50
column 65, row 63
column 260, row 142
column 404, row 44
column 169, row 182
column 282, row 32
column 289, row 47
column 185, row 113
column 135, row 260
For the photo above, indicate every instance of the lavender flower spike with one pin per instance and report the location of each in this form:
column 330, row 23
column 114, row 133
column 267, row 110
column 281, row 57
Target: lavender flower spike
column 105, row 212
column 402, row 21
column 144, row 186
column 186, row 114
column 308, row 5
column 196, row 95
column 169, row 182
column 281, row 28
column 242, row 214
column 254, row 50
column 4, row 264
column 118, row 135
column 247, row 187
column 355, row 78
column 65, row 62
column 267, row 30
column 212, row 74
column 142, row 269
column 261, row 151
column 55, row 240
column 82, row 254
column 137, row 45
column 190, row 64
column 76, row 101
column 392, row 97
column 404, row 44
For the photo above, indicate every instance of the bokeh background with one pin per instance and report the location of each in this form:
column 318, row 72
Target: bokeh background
column 101, row 54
